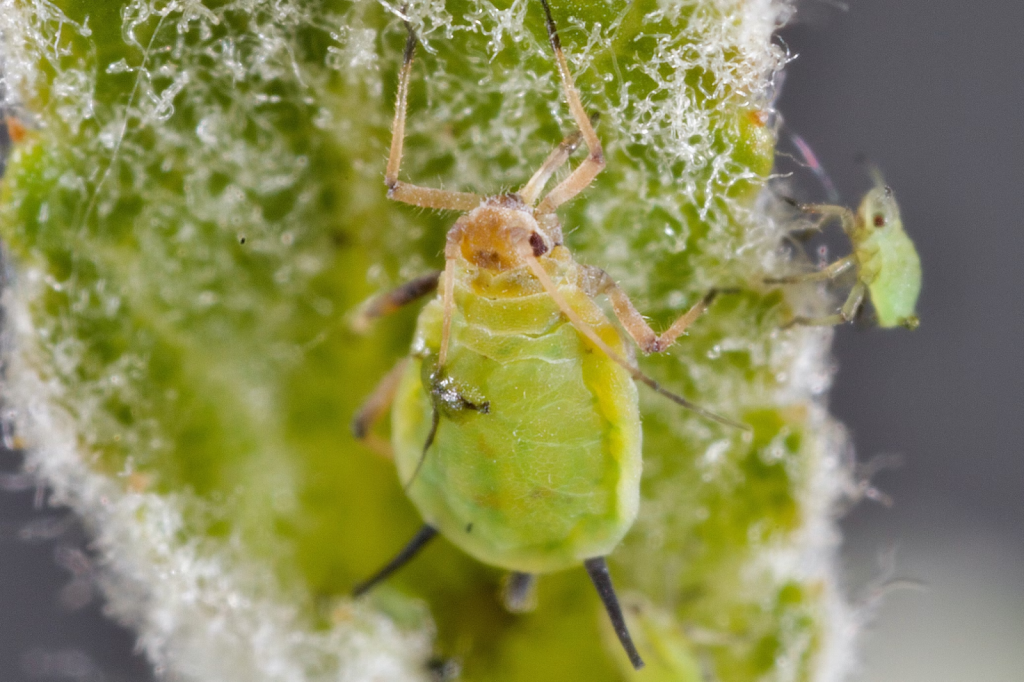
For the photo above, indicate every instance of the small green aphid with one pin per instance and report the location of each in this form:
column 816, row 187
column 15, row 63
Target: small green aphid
column 515, row 422
column 884, row 259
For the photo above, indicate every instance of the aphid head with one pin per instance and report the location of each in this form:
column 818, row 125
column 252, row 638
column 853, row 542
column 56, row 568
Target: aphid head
column 494, row 235
column 879, row 210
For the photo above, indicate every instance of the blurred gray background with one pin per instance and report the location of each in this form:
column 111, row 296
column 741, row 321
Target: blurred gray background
column 933, row 93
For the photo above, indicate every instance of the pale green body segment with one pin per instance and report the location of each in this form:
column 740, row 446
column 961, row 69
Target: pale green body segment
column 884, row 259
column 549, row 475
column 888, row 263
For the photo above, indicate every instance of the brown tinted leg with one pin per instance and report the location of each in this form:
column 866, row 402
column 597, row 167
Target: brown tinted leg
column 526, row 252
column 374, row 408
column 556, row 158
column 387, row 303
column 414, row 194
column 585, row 173
column 633, row 322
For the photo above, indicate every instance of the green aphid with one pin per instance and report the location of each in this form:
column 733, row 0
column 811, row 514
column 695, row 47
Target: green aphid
column 884, row 259
column 515, row 422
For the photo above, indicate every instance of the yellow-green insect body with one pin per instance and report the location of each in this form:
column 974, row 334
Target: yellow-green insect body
column 515, row 420
column 548, row 474
column 884, row 259
column 888, row 263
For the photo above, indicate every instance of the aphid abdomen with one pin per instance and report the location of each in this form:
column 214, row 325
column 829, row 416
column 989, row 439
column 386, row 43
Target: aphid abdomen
column 893, row 275
column 549, row 475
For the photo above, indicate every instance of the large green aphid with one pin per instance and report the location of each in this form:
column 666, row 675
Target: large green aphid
column 515, row 422
column 884, row 259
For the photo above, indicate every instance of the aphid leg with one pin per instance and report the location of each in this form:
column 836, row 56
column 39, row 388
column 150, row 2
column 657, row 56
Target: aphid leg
column 519, row 592
column 425, row 535
column 845, row 314
column 451, row 253
column 633, row 322
column 846, row 217
column 387, row 303
column 416, row 195
column 556, row 158
column 828, row 273
column 448, row 302
column 585, row 173
column 602, row 579
column 583, row 328
column 374, row 408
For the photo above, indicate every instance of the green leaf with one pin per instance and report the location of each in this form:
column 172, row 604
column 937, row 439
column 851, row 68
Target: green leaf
column 199, row 203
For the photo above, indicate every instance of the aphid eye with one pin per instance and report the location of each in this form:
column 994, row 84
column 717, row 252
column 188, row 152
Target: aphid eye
column 879, row 220
column 538, row 245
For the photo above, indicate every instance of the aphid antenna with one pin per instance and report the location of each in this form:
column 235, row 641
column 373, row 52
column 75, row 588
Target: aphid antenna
column 425, row 534
column 810, row 160
column 876, row 175
column 873, row 171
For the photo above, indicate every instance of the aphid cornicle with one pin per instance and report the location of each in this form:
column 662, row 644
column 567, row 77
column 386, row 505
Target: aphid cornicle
column 515, row 422
column 884, row 259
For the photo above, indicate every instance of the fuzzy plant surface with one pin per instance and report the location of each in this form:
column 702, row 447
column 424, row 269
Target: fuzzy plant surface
column 196, row 207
